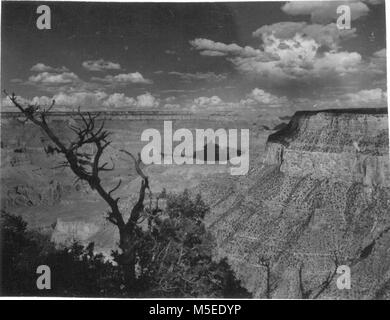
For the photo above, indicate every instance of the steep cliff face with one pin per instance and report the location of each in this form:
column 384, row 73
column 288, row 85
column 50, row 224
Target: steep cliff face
column 340, row 145
column 319, row 198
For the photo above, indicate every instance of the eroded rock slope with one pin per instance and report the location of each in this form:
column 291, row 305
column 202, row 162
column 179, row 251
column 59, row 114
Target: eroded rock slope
column 319, row 198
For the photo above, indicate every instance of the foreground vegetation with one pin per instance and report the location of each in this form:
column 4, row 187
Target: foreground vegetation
column 174, row 259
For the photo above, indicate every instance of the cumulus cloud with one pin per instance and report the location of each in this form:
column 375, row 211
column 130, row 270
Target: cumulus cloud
column 124, row 78
column 342, row 63
column 326, row 11
column 377, row 63
column 88, row 100
column 48, row 78
column 207, row 101
column 64, row 100
column 82, row 99
column 206, row 76
column 211, row 53
column 170, row 99
column 291, row 51
column 299, row 59
column 271, row 103
column 100, row 65
column 54, row 80
column 367, row 98
column 211, row 48
column 70, row 91
column 380, row 54
column 147, row 100
column 213, row 103
column 263, row 98
column 117, row 100
column 41, row 67
column 255, row 99
column 324, row 35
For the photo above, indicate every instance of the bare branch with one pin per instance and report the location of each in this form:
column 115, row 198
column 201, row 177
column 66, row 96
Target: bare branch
column 137, row 163
column 76, row 160
column 116, row 187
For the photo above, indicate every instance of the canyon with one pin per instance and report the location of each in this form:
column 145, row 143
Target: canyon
column 317, row 195
column 48, row 197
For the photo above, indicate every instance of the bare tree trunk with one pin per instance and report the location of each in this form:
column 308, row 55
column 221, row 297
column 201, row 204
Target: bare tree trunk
column 128, row 240
column 127, row 260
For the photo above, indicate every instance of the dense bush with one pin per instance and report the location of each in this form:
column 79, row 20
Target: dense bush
column 177, row 253
column 75, row 270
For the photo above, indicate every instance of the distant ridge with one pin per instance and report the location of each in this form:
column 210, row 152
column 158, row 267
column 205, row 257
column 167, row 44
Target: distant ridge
column 128, row 112
column 338, row 111
column 127, row 115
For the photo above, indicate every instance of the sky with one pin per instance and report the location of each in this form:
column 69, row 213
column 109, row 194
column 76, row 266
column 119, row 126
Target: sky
column 199, row 57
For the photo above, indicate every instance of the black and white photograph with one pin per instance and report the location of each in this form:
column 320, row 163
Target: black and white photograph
column 194, row 150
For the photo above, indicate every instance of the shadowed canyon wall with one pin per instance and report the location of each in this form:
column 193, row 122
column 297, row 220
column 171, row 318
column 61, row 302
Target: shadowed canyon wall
column 319, row 198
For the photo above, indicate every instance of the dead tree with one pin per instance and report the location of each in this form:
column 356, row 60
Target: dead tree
column 88, row 167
